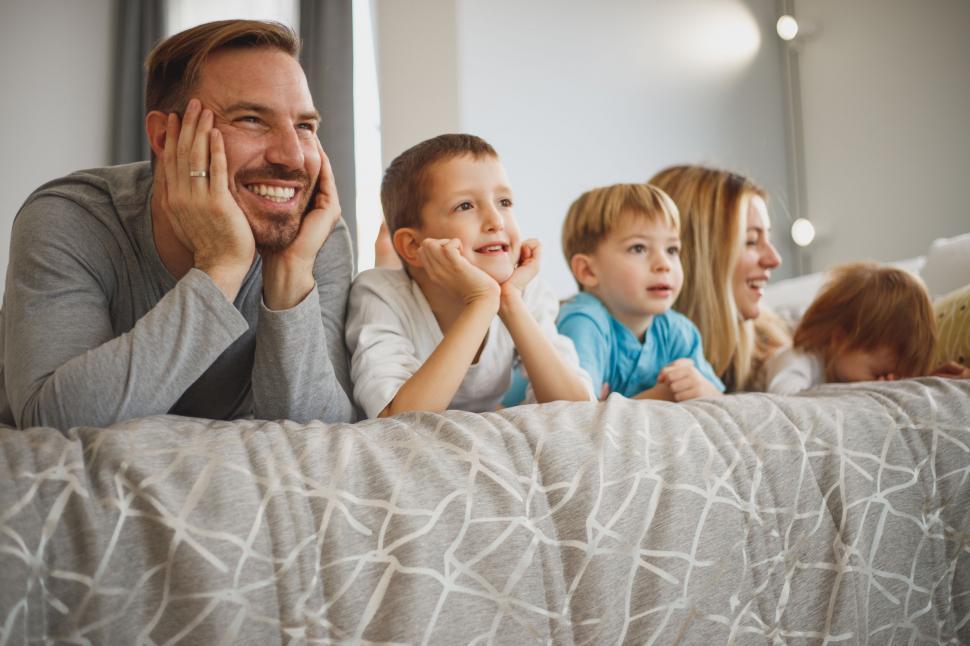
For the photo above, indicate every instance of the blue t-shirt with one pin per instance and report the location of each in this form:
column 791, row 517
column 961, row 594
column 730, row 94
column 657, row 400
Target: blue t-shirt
column 610, row 353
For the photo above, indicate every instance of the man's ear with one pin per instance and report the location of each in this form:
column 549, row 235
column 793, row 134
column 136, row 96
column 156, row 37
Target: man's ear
column 584, row 269
column 406, row 243
column 156, row 125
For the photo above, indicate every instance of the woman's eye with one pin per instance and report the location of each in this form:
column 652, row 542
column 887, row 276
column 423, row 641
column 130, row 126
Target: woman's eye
column 751, row 242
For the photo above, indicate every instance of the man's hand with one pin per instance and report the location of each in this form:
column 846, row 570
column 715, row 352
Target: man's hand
column 203, row 214
column 288, row 273
column 445, row 266
column 686, row 381
column 526, row 269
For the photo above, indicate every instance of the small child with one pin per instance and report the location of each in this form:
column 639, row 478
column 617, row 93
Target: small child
column 623, row 247
column 870, row 322
column 445, row 331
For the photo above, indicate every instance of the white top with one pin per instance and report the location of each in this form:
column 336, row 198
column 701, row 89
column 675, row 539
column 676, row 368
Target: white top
column 391, row 331
column 791, row 371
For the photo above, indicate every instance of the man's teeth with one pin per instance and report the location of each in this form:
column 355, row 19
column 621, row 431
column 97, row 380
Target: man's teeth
column 273, row 193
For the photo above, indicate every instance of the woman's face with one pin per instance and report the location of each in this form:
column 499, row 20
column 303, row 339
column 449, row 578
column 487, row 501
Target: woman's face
column 758, row 258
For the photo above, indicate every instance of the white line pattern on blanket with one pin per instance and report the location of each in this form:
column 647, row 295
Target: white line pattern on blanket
column 840, row 517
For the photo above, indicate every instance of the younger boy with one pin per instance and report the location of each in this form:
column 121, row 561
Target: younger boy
column 427, row 337
column 623, row 247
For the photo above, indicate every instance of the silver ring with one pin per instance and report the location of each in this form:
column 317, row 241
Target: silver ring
column 198, row 173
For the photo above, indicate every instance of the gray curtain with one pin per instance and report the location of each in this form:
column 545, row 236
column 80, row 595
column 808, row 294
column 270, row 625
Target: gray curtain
column 138, row 26
column 326, row 28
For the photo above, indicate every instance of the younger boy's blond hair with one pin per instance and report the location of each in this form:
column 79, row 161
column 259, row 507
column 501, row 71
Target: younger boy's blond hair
column 866, row 306
column 598, row 212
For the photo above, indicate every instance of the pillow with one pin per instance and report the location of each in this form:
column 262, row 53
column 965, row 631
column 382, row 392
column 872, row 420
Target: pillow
column 947, row 265
column 953, row 323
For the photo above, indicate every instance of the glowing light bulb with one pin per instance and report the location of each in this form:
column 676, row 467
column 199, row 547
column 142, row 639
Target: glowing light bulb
column 787, row 27
column 802, row 232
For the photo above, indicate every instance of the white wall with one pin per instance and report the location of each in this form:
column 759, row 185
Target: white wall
column 576, row 94
column 55, row 71
column 886, row 101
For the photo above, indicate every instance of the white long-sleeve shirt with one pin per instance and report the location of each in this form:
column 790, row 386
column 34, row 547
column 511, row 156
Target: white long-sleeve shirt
column 791, row 371
column 391, row 331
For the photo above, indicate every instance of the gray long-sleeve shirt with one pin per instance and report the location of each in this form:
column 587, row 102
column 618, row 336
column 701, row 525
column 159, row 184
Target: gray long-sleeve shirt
column 94, row 329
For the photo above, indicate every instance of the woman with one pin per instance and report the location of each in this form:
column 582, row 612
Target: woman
column 727, row 257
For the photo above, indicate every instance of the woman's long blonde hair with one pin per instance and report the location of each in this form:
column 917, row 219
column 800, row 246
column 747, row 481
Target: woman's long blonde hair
column 712, row 205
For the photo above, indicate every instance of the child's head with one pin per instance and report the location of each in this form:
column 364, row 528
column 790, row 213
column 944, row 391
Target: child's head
column 452, row 186
column 870, row 321
column 622, row 243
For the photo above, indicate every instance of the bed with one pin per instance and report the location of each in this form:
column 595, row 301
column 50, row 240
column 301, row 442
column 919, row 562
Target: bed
column 839, row 516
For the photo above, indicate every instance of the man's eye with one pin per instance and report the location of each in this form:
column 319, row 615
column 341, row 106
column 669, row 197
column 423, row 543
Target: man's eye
column 312, row 127
column 464, row 206
column 249, row 119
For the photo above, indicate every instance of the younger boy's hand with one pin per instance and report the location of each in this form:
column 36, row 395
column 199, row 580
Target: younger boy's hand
column 527, row 267
column 445, row 265
column 686, row 381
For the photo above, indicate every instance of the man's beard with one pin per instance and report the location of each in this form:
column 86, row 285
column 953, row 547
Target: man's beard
column 274, row 231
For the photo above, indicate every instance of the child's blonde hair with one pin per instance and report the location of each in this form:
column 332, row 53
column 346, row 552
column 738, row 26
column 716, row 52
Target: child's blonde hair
column 596, row 213
column 713, row 204
column 866, row 306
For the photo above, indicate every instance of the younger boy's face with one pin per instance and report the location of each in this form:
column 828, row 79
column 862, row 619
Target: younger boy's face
column 638, row 270
column 470, row 199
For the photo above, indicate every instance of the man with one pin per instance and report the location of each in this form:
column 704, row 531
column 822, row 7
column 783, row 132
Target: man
column 212, row 282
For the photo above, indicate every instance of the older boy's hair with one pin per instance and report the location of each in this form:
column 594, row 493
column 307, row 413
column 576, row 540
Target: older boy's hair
column 404, row 187
column 866, row 306
column 596, row 213
column 175, row 64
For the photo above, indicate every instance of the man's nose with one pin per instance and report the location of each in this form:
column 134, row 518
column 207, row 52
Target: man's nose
column 286, row 149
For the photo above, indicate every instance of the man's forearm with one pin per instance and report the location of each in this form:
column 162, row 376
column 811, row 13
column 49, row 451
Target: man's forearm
column 142, row 372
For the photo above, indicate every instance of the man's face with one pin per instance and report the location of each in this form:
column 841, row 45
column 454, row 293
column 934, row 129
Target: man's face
column 262, row 107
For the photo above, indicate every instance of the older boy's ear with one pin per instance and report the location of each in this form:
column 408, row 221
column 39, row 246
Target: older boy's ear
column 406, row 244
column 156, row 125
column 583, row 270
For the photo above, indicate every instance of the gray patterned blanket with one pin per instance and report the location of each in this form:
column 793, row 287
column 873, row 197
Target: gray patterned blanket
column 840, row 517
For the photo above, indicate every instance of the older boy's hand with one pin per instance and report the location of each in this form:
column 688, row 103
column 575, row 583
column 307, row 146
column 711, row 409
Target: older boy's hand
column 444, row 264
column 527, row 267
column 686, row 381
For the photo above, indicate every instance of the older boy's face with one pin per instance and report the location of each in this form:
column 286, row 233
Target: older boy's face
column 470, row 199
column 638, row 270
column 865, row 365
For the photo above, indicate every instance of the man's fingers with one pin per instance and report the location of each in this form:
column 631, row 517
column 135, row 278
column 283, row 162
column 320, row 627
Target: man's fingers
column 218, row 173
column 170, row 153
column 326, row 185
column 199, row 154
column 187, row 138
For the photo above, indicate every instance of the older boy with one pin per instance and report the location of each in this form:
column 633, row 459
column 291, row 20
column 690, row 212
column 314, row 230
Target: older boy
column 427, row 337
column 623, row 247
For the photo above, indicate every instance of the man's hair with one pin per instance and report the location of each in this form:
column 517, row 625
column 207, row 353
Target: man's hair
column 713, row 204
column 404, row 189
column 865, row 306
column 175, row 64
column 596, row 213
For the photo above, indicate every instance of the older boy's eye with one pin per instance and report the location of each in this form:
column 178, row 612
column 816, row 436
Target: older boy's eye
column 506, row 202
